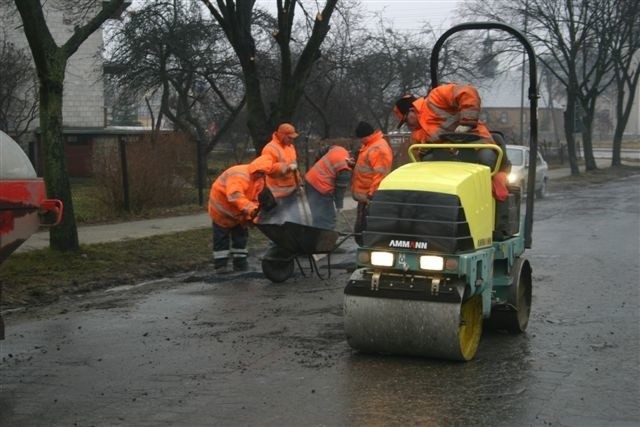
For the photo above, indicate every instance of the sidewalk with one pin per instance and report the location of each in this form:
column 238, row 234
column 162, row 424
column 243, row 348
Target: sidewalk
column 121, row 231
column 91, row 234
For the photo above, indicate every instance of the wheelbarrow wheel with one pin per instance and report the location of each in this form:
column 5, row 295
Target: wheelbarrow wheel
column 278, row 270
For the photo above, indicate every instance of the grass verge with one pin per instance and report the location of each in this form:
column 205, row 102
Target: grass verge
column 42, row 276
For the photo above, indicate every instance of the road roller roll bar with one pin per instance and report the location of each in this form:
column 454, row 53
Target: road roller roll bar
column 533, row 102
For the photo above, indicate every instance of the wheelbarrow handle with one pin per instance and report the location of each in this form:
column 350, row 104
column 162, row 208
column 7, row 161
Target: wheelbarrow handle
column 302, row 200
column 344, row 216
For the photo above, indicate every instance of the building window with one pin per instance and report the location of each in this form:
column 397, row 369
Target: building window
column 77, row 139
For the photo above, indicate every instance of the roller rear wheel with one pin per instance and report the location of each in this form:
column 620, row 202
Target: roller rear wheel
column 515, row 317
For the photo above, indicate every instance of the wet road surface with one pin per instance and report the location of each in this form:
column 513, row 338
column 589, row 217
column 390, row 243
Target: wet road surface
column 238, row 350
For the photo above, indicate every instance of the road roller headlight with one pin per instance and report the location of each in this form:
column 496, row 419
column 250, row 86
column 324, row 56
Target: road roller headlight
column 431, row 262
column 382, row 259
column 364, row 257
column 512, row 178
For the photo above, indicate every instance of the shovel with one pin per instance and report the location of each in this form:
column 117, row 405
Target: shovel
column 303, row 203
column 346, row 220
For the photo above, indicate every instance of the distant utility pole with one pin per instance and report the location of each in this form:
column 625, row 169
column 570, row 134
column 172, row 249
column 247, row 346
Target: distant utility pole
column 524, row 58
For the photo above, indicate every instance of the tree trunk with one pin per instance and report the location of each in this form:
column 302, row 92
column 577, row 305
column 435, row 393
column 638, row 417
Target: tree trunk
column 616, row 159
column 616, row 149
column 260, row 125
column 63, row 237
column 51, row 62
column 587, row 143
column 571, row 142
column 623, row 112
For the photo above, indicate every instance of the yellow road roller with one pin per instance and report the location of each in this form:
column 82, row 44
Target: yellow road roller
column 440, row 255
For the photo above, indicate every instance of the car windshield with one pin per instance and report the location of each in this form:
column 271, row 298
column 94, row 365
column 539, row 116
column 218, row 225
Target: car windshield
column 516, row 157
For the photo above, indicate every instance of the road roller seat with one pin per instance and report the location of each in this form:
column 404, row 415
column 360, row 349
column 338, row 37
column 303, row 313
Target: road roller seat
column 507, row 220
column 498, row 137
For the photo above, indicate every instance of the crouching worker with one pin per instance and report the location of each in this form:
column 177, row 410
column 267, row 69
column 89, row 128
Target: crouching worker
column 451, row 108
column 327, row 182
column 233, row 206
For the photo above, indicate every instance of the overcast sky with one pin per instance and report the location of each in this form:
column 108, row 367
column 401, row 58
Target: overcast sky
column 408, row 14
column 411, row 14
column 404, row 14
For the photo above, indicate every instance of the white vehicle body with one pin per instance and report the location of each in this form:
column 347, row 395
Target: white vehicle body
column 519, row 157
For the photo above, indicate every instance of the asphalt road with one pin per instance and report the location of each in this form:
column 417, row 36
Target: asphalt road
column 238, row 350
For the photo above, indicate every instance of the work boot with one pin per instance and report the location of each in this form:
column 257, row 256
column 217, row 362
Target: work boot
column 240, row 264
column 221, row 270
column 220, row 266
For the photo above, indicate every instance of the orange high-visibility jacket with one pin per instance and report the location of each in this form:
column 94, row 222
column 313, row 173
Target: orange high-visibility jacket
column 322, row 175
column 280, row 181
column 445, row 108
column 373, row 164
column 234, row 196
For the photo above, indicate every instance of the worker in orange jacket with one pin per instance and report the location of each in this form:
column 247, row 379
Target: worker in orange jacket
column 326, row 184
column 373, row 163
column 451, row 108
column 284, row 180
column 233, row 206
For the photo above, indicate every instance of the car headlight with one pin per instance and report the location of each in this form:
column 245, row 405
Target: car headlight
column 513, row 178
column 382, row 259
column 432, row 262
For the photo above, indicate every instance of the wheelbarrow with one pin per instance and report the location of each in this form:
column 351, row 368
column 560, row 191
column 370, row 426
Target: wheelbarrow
column 294, row 240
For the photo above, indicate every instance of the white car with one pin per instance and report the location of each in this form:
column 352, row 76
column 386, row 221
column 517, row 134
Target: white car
column 519, row 157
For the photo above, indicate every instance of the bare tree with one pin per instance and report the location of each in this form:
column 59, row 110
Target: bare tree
column 236, row 19
column 169, row 47
column 626, row 60
column 325, row 109
column 573, row 38
column 51, row 61
column 346, row 84
column 390, row 64
column 18, row 90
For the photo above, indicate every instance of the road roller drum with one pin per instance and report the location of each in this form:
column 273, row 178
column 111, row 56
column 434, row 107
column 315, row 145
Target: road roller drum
column 414, row 327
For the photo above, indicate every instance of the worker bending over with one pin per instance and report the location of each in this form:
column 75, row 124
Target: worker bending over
column 327, row 181
column 451, row 108
column 233, row 205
